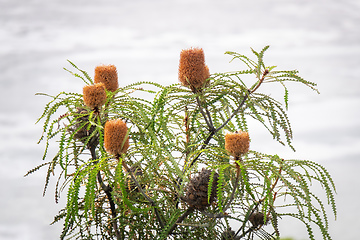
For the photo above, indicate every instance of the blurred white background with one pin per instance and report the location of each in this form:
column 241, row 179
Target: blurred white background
column 320, row 38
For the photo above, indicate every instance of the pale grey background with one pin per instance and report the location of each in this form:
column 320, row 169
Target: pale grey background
column 320, row 38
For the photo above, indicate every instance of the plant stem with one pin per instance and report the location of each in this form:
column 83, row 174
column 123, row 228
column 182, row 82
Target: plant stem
column 107, row 189
column 273, row 186
column 232, row 196
column 260, row 81
column 246, row 232
column 153, row 204
column 187, row 132
column 208, row 121
column 113, row 212
column 234, row 113
column 244, row 223
column 181, row 218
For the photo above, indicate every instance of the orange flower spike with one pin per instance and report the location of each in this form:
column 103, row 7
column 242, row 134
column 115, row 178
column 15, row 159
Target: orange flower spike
column 94, row 95
column 237, row 143
column 114, row 137
column 107, row 74
column 192, row 69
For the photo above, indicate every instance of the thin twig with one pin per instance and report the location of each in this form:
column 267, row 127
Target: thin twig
column 218, row 215
column 113, row 212
column 260, row 81
column 101, row 182
column 158, row 217
column 180, row 219
column 206, row 142
column 210, row 126
column 247, row 231
column 232, row 196
column 244, row 224
column 234, row 113
column 187, row 132
column 273, row 185
column 209, row 116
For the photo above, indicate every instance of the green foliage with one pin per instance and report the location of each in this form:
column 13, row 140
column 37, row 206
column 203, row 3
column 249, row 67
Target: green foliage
column 172, row 137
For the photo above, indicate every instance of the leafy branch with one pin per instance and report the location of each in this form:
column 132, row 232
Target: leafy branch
column 177, row 163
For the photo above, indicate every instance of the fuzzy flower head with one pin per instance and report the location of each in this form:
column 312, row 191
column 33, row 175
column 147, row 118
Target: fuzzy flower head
column 114, row 137
column 192, row 69
column 94, row 95
column 107, row 74
column 237, row 143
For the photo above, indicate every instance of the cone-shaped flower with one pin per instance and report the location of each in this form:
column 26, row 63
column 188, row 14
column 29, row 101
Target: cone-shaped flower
column 107, row 74
column 94, row 95
column 192, row 69
column 115, row 133
column 237, row 143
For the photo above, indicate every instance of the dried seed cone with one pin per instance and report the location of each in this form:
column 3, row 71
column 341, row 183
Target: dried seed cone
column 237, row 143
column 192, row 69
column 107, row 74
column 94, row 95
column 82, row 129
column 257, row 219
column 82, row 116
column 114, row 137
column 197, row 190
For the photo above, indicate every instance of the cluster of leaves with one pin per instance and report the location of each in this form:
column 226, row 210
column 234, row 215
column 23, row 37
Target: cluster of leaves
column 172, row 136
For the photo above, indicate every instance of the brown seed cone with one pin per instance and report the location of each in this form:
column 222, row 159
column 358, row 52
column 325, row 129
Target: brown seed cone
column 257, row 219
column 81, row 129
column 94, row 95
column 197, row 190
column 107, row 74
column 237, row 143
column 192, row 69
column 114, row 137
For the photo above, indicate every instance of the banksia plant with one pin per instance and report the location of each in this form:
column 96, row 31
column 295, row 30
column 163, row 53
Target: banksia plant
column 116, row 140
column 94, row 95
column 192, row 69
column 237, row 143
column 176, row 132
column 197, row 190
column 107, row 74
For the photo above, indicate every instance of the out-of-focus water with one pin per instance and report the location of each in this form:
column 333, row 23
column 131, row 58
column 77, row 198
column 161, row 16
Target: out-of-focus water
column 143, row 39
